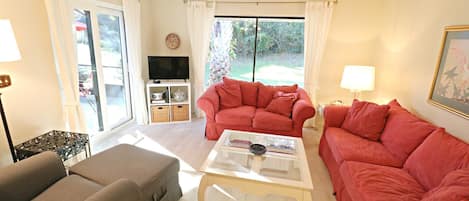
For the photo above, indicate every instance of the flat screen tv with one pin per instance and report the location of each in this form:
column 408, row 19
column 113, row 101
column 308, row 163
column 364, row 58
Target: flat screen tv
column 161, row 68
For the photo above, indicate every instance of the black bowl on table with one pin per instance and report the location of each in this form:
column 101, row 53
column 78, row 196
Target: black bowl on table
column 257, row 149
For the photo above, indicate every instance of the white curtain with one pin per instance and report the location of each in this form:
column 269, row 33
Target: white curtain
column 60, row 24
column 132, row 25
column 200, row 16
column 318, row 16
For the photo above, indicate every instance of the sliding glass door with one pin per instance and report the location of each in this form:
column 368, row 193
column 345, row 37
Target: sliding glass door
column 115, row 76
column 102, row 66
column 269, row 50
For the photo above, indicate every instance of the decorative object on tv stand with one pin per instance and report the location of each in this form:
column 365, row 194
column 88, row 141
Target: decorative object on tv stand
column 8, row 52
column 179, row 95
column 157, row 96
column 451, row 81
column 173, row 41
column 358, row 79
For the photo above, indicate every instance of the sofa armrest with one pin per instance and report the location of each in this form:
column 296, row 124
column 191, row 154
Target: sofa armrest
column 209, row 102
column 334, row 115
column 120, row 190
column 26, row 179
column 302, row 109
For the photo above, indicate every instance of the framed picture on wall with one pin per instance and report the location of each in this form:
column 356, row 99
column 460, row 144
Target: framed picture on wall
column 450, row 88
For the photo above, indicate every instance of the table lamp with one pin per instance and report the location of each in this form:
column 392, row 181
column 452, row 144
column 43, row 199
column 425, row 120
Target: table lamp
column 358, row 79
column 8, row 52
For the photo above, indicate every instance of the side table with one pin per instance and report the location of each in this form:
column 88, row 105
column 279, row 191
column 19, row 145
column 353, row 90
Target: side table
column 65, row 144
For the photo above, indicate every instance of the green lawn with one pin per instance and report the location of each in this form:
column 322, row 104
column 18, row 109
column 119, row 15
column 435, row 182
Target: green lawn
column 279, row 69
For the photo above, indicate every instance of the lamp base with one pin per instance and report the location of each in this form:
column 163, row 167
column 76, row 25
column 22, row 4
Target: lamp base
column 356, row 94
column 7, row 131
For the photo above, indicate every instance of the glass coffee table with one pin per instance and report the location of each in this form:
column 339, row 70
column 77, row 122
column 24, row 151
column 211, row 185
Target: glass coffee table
column 282, row 170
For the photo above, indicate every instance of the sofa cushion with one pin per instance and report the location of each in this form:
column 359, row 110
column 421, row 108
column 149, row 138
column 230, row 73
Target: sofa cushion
column 270, row 121
column 346, row 146
column 266, row 93
column 366, row 119
column 455, row 186
column 230, row 95
column 369, row 182
column 282, row 103
column 437, row 156
column 240, row 116
column 404, row 132
column 248, row 90
column 71, row 188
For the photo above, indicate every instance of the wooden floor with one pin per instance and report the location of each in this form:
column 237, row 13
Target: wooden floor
column 186, row 141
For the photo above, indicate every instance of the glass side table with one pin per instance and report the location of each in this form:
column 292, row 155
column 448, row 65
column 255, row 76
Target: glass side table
column 65, row 144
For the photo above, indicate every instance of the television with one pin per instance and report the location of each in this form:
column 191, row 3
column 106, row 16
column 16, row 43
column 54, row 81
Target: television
column 161, row 68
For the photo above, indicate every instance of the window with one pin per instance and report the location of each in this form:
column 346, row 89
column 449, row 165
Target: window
column 269, row 50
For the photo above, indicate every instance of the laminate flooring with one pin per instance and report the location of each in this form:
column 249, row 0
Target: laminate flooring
column 186, row 141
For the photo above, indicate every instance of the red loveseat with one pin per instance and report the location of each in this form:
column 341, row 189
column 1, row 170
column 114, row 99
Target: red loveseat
column 412, row 160
column 252, row 115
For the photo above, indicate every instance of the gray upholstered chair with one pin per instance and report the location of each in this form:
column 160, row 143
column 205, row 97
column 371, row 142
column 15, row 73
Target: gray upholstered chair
column 43, row 178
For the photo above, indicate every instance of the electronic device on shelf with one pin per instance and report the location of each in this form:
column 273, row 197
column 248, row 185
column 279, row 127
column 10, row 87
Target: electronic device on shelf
column 168, row 68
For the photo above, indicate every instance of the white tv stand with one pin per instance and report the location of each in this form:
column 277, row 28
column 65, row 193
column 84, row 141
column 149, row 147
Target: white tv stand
column 169, row 110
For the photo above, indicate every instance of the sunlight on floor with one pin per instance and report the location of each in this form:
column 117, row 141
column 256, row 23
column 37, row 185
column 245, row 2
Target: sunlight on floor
column 189, row 177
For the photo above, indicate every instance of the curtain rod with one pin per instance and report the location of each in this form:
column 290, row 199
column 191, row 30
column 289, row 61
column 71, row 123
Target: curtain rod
column 262, row 2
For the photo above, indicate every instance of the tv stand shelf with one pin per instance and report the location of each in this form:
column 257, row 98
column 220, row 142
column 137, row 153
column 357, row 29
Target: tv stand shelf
column 168, row 110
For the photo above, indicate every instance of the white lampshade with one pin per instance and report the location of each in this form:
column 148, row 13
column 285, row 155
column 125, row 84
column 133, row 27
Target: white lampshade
column 358, row 78
column 8, row 47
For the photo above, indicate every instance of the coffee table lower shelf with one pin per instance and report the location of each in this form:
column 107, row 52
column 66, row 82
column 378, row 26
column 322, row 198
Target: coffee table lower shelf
column 252, row 187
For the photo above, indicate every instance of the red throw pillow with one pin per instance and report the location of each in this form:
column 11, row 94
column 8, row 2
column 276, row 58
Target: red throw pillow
column 282, row 103
column 439, row 154
column 230, row 95
column 403, row 132
column 366, row 119
column 452, row 187
column 266, row 93
column 248, row 90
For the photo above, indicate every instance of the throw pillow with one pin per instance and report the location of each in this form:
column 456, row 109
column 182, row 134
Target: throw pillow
column 248, row 90
column 394, row 104
column 366, row 119
column 452, row 187
column 266, row 93
column 282, row 103
column 230, row 95
column 438, row 155
column 403, row 131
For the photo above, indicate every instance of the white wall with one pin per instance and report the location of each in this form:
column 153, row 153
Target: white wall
column 408, row 52
column 32, row 103
column 353, row 35
column 160, row 18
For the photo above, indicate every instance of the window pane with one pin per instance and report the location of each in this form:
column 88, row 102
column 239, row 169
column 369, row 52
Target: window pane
column 118, row 103
column 279, row 55
column 87, row 76
column 231, row 49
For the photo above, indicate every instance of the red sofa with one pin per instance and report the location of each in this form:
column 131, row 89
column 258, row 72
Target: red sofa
column 251, row 115
column 412, row 160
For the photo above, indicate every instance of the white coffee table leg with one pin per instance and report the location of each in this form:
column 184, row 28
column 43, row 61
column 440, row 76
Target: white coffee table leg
column 202, row 188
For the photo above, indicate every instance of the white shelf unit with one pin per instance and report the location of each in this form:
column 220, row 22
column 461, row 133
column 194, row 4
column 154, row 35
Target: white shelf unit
column 171, row 111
